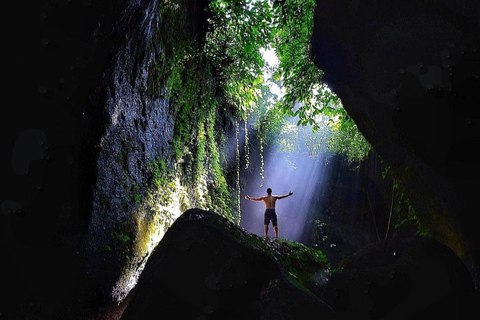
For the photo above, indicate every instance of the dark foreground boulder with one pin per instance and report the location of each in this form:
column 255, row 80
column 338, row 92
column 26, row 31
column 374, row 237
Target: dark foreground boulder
column 206, row 267
column 418, row 278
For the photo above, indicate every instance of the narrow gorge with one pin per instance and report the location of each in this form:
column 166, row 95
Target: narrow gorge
column 139, row 126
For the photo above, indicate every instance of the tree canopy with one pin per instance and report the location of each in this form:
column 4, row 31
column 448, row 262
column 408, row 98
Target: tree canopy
column 241, row 29
column 229, row 65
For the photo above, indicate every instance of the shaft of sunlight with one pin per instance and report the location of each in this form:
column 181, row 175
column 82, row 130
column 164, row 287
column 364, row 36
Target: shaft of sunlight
column 293, row 171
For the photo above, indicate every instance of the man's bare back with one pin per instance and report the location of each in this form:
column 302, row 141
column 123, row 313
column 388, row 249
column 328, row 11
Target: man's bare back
column 269, row 201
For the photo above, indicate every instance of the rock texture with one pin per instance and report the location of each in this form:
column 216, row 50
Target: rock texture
column 137, row 132
column 127, row 210
column 416, row 278
column 206, row 267
column 408, row 74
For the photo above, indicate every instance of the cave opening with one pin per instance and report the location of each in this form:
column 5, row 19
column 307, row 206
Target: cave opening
column 171, row 106
column 250, row 110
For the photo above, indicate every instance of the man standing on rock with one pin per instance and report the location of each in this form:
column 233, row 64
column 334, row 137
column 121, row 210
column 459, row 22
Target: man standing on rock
column 270, row 214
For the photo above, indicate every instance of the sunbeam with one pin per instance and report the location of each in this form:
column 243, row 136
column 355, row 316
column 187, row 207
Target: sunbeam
column 295, row 171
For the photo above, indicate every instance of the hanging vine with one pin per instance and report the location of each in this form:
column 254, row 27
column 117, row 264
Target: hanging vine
column 231, row 55
column 402, row 214
column 247, row 147
column 391, row 209
column 262, row 164
column 237, row 180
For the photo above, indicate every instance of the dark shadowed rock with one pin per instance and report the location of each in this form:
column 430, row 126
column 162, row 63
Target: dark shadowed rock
column 206, row 267
column 418, row 278
column 407, row 72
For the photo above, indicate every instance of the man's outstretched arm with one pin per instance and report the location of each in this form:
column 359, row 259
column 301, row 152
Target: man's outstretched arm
column 247, row 197
column 284, row 195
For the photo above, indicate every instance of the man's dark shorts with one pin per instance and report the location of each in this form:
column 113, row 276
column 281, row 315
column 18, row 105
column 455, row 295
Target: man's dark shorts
column 270, row 215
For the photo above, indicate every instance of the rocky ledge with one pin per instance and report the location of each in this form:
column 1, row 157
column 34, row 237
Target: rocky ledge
column 206, row 267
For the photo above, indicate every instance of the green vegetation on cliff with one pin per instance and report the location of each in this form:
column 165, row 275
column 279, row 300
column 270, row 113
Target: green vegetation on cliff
column 214, row 75
column 242, row 30
column 184, row 76
column 215, row 70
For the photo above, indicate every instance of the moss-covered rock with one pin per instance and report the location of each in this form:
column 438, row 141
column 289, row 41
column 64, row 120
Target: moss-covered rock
column 206, row 267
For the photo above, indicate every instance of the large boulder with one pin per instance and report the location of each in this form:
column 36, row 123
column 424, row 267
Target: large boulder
column 417, row 278
column 206, row 267
column 407, row 72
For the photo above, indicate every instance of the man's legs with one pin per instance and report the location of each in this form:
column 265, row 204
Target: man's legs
column 266, row 222
column 275, row 224
column 270, row 215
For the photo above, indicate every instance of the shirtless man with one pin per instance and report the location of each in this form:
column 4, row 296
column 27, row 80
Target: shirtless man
column 270, row 213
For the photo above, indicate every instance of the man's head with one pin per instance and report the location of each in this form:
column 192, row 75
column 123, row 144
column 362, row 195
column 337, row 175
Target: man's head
column 269, row 191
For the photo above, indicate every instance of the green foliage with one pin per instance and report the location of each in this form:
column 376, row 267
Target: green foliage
column 332, row 136
column 134, row 196
column 268, row 122
column 301, row 264
column 158, row 168
column 193, row 80
column 163, row 180
column 321, row 231
column 202, row 76
column 406, row 218
column 185, row 102
column 121, row 241
column 322, row 258
column 220, row 193
column 137, row 197
column 176, row 48
column 306, row 97
column 239, row 30
column 301, row 78
column 347, row 139
column 299, row 251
